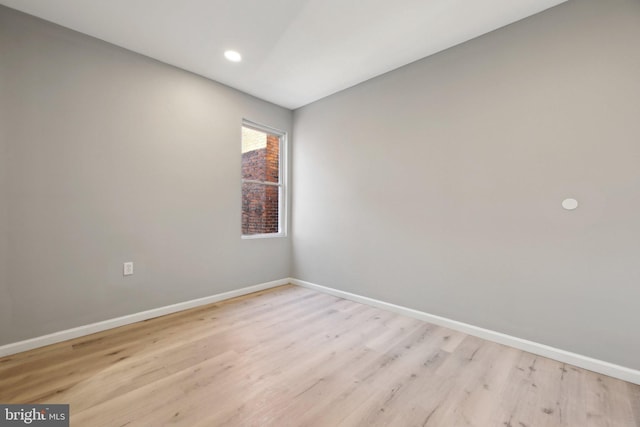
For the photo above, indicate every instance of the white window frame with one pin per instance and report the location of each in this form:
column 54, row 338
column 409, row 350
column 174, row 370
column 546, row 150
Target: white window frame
column 282, row 180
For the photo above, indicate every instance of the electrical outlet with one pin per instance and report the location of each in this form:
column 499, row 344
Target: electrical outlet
column 127, row 269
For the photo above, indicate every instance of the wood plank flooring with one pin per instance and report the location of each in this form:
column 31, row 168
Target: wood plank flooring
column 290, row 356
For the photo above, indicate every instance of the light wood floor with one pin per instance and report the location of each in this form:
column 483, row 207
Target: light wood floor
column 294, row 357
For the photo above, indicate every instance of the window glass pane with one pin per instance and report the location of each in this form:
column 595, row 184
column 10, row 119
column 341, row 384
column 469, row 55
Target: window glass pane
column 260, row 155
column 261, row 181
column 259, row 208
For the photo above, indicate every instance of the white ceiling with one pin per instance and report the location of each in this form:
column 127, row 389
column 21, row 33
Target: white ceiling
column 294, row 51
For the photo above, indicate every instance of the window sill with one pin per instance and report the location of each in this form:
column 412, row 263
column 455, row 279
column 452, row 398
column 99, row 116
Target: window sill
column 262, row 236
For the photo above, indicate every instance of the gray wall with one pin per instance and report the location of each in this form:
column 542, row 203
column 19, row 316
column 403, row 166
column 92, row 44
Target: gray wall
column 438, row 186
column 111, row 157
column 5, row 298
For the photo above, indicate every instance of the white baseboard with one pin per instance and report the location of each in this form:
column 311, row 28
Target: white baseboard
column 595, row 365
column 92, row 328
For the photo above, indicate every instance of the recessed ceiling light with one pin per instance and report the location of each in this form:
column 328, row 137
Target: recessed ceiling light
column 233, row 56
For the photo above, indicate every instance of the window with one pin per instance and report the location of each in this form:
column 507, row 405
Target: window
column 263, row 192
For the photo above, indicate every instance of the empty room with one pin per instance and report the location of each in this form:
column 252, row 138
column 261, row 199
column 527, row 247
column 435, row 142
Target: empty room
column 320, row 213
